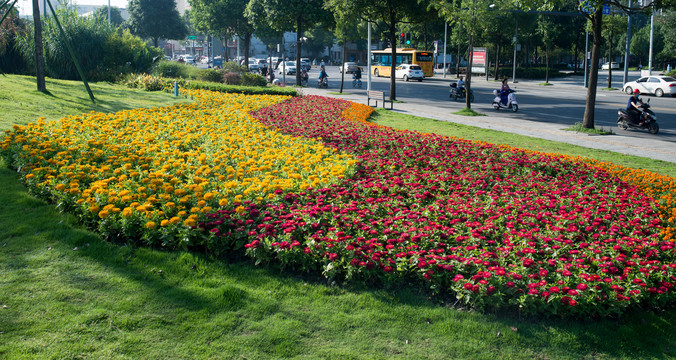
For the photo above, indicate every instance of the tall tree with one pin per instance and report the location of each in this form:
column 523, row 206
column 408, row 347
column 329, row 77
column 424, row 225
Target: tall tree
column 39, row 52
column 612, row 26
column 115, row 15
column 346, row 29
column 390, row 13
column 223, row 18
column 298, row 15
column 472, row 15
column 155, row 19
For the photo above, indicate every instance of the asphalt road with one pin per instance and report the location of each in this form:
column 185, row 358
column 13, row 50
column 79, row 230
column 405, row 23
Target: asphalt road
column 562, row 103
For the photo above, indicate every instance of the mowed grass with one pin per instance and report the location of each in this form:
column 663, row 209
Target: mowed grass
column 66, row 294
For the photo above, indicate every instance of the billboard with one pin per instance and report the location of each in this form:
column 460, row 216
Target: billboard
column 479, row 60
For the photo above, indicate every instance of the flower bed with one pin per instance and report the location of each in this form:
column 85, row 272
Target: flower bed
column 492, row 225
column 150, row 175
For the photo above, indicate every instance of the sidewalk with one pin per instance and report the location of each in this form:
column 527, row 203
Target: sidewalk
column 626, row 144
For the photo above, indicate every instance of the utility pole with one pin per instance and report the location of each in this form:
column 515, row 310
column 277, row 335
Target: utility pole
column 650, row 54
column 586, row 59
column 516, row 29
column 627, row 48
column 368, row 60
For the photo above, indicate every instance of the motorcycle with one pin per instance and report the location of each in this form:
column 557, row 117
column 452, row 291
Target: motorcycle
column 648, row 120
column 457, row 93
column 304, row 79
column 511, row 101
column 323, row 83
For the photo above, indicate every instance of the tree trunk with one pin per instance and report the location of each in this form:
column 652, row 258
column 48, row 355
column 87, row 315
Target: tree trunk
column 575, row 52
column 597, row 18
column 457, row 62
column 468, row 81
column 393, row 66
column 610, row 60
column 299, row 35
column 546, row 64
column 247, row 44
column 497, row 60
column 39, row 52
column 156, row 41
column 342, row 66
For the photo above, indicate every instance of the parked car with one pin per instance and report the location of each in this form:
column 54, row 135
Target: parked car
column 613, row 66
column 189, row 59
column 349, row 67
column 409, row 71
column 205, row 60
column 290, row 67
column 658, row 85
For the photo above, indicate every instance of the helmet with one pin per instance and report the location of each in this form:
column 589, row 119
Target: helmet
column 637, row 91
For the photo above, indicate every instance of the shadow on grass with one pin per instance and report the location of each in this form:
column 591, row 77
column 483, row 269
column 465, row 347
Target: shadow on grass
column 184, row 281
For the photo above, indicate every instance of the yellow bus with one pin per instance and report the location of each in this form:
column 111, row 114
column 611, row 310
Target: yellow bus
column 381, row 60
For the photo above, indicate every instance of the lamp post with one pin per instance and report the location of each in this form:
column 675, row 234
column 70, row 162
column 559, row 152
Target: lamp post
column 516, row 29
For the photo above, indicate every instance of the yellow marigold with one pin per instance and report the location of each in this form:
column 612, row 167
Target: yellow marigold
column 223, row 202
column 164, row 223
column 150, row 225
column 189, row 222
column 103, row 214
column 94, row 208
column 60, row 187
column 208, row 196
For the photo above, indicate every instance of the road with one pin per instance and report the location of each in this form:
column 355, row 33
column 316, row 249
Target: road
column 562, row 103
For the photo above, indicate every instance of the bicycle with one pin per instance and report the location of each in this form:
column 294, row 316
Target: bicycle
column 356, row 83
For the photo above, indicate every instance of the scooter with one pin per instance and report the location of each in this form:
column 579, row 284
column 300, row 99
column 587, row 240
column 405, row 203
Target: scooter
column 648, row 120
column 323, row 83
column 457, row 93
column 304, row 79
column 511, row 101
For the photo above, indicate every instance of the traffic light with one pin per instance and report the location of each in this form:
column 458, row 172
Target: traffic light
column 401, row 38
column 408, row 37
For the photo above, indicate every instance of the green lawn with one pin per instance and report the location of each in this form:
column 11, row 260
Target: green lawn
column 66, row 294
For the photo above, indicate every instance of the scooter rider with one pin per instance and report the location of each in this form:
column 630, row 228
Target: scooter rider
column 323, row 74
column 461, row 84
column 504, row 91
column 634, row 107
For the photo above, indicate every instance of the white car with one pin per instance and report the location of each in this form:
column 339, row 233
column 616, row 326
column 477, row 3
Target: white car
column 289, row 66
column 189, row 59
column 253, row 65
column 409, row 71
column 658, row 85
column 612, row 66
column 349, row 67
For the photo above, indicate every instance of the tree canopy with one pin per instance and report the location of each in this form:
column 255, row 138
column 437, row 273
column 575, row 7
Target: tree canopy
column 155, row 19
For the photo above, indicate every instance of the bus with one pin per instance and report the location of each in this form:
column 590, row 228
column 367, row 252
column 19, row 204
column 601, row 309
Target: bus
column 381, row 60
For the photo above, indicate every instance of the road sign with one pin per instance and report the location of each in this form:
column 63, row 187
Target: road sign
column 606, row 9
column 192, row 37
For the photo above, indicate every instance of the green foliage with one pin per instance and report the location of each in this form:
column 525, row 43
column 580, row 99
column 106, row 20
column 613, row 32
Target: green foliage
column 529, row 73
column 175, row 69
column 251, row 79
column 125, row 53
column 145, row 82
column 248, row 90
column 115, row 15
column 212, row 75
column 234, row 67
column 11, row 29
column 102, row 51
column 155, row 19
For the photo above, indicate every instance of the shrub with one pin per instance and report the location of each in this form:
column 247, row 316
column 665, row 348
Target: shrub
column 212, row 75
column 250, row 79
column 233, row 66
column 248, row 90
column 145, row 82
column 232, row 78
column 174, row 69
column 11, row 60
column 101, row 51
column 671, row 73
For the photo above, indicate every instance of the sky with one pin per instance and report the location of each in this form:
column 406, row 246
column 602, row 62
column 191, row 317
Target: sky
column 26, row 6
